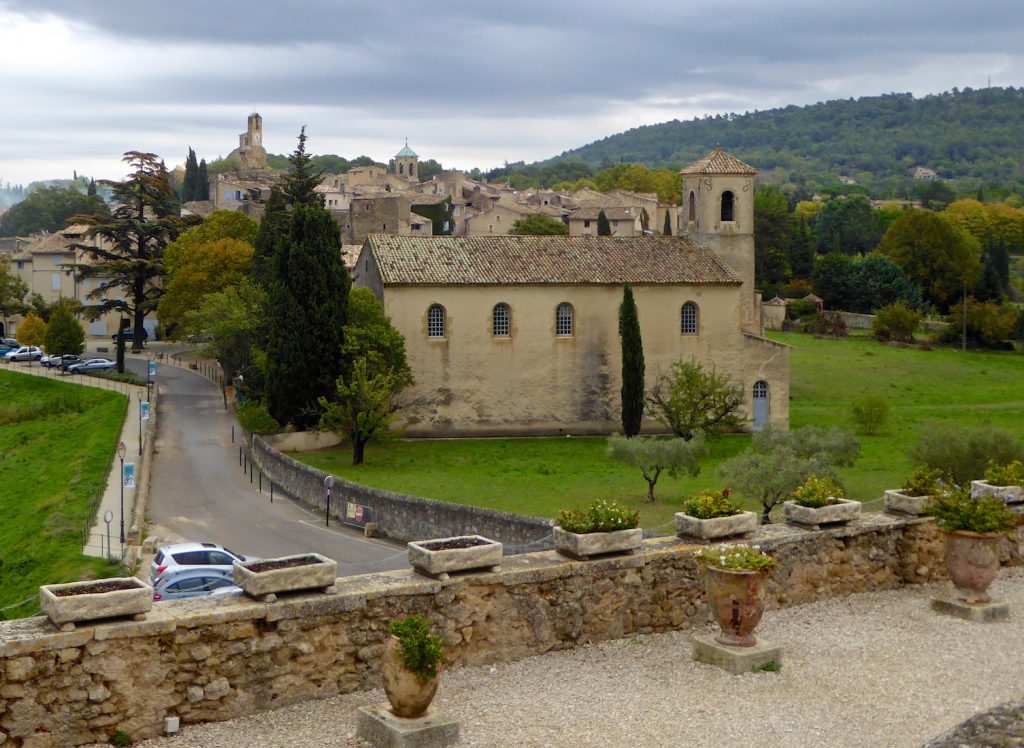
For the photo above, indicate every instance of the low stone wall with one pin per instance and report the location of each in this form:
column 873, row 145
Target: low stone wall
column 397, row 515
column 223, row 657
column 302, row 441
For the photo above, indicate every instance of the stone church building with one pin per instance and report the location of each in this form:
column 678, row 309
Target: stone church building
column 512, row 335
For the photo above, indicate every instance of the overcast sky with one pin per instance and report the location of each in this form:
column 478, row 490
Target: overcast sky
column 468, row 83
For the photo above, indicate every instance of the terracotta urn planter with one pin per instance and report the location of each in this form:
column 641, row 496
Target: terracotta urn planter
column 1009, row 494
column 972, row 560
column 265, row 578
column 836, row 512
column 75, row 602
column 582, row 546
column 438, row 558
column 736, row 600
column 716, row 527
column 902, row 503
column 409, row 694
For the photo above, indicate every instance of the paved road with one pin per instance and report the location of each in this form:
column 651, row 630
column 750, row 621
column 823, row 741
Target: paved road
column 199, row 492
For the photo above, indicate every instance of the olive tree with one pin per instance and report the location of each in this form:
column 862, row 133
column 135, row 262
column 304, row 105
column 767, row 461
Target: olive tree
column 655, row 455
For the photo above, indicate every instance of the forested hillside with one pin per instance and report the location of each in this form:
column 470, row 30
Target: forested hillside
column 971, row 138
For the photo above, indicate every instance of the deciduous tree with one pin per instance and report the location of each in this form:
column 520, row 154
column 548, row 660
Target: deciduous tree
column 64, row 333
column 538, row 224
column 690, row 399
column 230, row 320
column 31, row 330
column 48, row 209
column 655, row 455
column 12, row 291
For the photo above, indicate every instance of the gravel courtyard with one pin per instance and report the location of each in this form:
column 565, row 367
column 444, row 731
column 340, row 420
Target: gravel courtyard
column 878, row 669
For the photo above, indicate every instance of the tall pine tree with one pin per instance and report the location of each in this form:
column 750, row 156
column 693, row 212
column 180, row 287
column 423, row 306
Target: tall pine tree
column 632, row 365
column 604, row 228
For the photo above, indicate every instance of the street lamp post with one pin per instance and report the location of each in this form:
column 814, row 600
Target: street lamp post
column 121, row 449
column 329, row 483
column 139, row 393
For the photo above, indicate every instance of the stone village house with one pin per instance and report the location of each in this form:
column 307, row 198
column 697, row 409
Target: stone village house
column 519, row 334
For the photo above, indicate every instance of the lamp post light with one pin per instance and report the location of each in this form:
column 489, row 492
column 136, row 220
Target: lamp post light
column 328, row 483
column 121, row 449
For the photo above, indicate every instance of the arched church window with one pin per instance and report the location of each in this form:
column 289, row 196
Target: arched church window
column 688, row 319
column 692, row 213
column 727, row 205
column 435, row 321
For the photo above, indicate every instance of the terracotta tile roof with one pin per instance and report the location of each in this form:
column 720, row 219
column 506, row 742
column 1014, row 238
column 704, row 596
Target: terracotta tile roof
column 718, row 162
column 618, row 213
column 539, row 260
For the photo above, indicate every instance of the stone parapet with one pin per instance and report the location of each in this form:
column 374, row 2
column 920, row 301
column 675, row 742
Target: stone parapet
column 225, row 656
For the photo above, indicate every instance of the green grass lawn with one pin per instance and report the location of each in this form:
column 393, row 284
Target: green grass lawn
column 941, row 389
column 57, row 441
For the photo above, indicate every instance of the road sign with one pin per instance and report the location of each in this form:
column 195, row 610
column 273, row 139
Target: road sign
column 152, row 369
column 145, row 411
column 357, row 515
column 129, row 475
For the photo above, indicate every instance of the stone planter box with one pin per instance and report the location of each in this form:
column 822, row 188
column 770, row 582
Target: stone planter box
column 65, row 610
column 266, row 584
column 1009, row 494
column 438, row 563
column 843, row 510
column 897, row 501
column 716, row 527
column 582, row 546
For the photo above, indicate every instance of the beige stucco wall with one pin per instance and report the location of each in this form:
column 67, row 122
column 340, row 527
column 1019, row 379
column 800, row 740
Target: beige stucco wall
column 536, row 382
column 495, row 222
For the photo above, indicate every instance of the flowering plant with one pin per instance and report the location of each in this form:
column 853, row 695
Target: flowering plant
column 817, row 492
column 1011, row 474
column 956, row 510
column 739, row 557
column 601, row 516
column 707, row 504
column 924, row 481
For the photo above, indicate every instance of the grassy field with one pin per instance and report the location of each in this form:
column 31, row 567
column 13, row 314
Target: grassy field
column 56, row 444
column 940, row 389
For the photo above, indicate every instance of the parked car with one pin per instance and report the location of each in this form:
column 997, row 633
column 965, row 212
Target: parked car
column 129, row 334
column 54, row 361
column 10, row 342
column 25, row 353
column 91, row 364
column 193, row 556
column 68, row 360
column 191, row 583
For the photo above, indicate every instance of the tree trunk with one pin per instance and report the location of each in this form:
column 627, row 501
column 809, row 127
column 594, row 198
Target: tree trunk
column 358, row 446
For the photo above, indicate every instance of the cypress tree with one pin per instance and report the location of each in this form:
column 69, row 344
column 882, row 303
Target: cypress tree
column 188, row 184
column 632, row 365
column 308, row 303
column 273, row 226
column 1001, row 261
column 202, row 182
column 91, row 189
column 667, row 230
column 604, row 228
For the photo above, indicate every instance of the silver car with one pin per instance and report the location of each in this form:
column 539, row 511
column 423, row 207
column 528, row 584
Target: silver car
column 191, row 583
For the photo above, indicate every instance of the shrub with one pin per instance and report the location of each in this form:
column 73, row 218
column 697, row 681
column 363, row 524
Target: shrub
column 924, row 481
column 896, row 322
column 422, row 650
column 739, row 557
column 957, row 510
column 255, row 419
column 601, row 516
column 121, row 738
column 1010, row 474
column 870, row 413
column 817, row 492
column 800, row 308
column 708, row 504
column 965, row 457
column 988, row 324
column 830, row 324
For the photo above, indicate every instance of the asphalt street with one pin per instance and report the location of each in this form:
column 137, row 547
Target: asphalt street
column 198, row 491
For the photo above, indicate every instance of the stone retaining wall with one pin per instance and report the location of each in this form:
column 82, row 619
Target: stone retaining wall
column 397, row 515
column 223, row 657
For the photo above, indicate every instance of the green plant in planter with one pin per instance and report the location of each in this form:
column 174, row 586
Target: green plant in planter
column 924, row 481
column 957, row 510
column 422, row 650
column 707, row 504
column 817, row 492
column 1010, row 474
column 739, row 557
column 600, row 516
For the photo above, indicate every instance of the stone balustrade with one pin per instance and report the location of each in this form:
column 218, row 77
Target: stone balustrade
column 221, row 657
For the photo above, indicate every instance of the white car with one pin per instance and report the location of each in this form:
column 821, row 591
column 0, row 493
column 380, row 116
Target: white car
column 173, row 558
column 25, row 353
